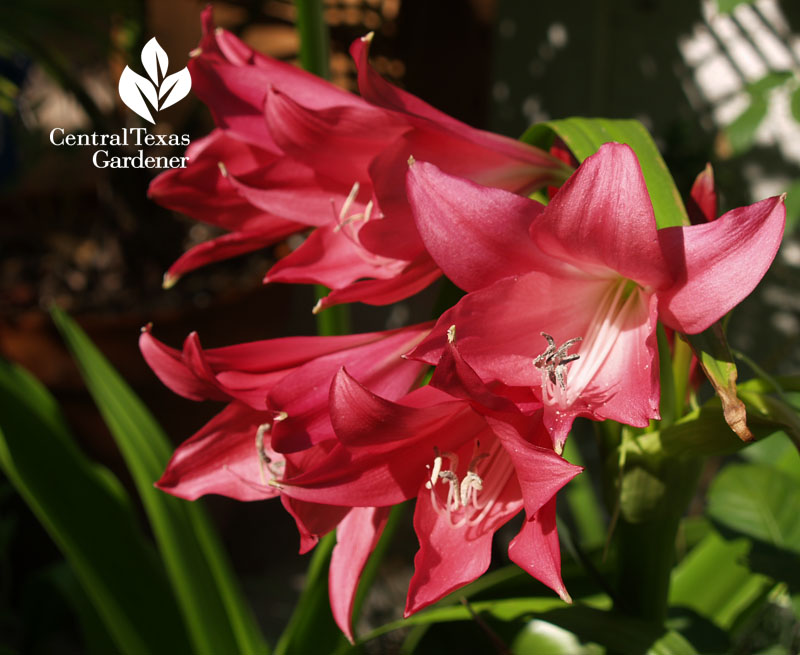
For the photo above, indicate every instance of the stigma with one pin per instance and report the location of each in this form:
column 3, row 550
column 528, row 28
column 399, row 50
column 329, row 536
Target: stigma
column 554, row 360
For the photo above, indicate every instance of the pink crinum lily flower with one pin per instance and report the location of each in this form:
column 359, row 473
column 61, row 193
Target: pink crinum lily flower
column 294, row 152
column 289, row 377
column 563, row 300
column 276, row 424
column 472, row 459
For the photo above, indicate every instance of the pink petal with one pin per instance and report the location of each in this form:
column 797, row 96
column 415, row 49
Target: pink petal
column 450, row 557
column 236, row 96
column 716, row 265
column 477, row 235
column 602, row 219
column 227, row 246
column 497, row 327
column 291, row 190
column 338, row 141
column 222, row 458
column 331, row 257
column 356, row 538
column 395, row 234
column 313, row 520
column 536, row 549
column 416, row 276
column 523, row 167
column 232, row 79
column 170, row 367
column 303, row 394
column 248, row 371
column 309, row 89
column 386, row 448
column 702, row 205
column 201, row 191
column 497, row 332
column 540, row 472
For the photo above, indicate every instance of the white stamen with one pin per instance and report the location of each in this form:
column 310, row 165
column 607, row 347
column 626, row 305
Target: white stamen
column 264, row 460
column 349, row 201
column 469, row 499
column 604, row 328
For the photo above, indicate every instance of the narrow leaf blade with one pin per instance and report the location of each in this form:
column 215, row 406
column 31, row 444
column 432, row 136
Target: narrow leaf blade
column 86, row 512
column 215, row 612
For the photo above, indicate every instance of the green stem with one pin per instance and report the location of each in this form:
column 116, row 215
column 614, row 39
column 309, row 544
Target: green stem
column 314, row 49
column 333, row 320
column 315, row 57
column 653, row 497
column 681, row 365
column 668, row 407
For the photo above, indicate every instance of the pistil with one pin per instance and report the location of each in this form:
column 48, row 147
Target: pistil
column 604, row 329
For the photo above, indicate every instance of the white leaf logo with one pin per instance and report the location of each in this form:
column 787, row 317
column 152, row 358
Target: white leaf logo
column 163, row 91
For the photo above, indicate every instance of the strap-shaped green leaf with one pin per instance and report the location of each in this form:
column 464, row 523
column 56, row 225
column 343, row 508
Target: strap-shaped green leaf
column 88, row 514
column 213, row 608
column 584, row 136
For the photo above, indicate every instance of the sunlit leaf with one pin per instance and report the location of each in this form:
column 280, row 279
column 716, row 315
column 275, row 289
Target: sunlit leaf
column 759, row 502
column 771, row 80
column 546, row 638
column 795, row 104
column 727, row 6
column 714, row 581
column 584, row 136
column 742, row 131
column 617, row 633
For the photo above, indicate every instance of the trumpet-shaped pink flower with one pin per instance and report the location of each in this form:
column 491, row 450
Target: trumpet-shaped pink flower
column 472, row 462
column 290, row 376
column 587, row 275
column 277, row 425
column 295, row 152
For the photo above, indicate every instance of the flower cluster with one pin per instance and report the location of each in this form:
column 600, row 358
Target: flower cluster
column 558, row 321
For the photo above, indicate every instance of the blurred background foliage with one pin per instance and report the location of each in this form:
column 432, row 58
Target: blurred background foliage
column 713, row 80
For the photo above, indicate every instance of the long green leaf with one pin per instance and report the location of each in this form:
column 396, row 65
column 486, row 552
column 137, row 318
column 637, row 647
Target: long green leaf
column 213, row 608
column 584, row 136
column 87, row 513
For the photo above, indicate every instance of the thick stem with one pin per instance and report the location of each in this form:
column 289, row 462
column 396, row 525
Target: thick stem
column 315, row 57
column 654, row 497
column 314, row 50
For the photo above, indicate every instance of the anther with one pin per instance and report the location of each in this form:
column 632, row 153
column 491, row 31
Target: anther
column 554, row 359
